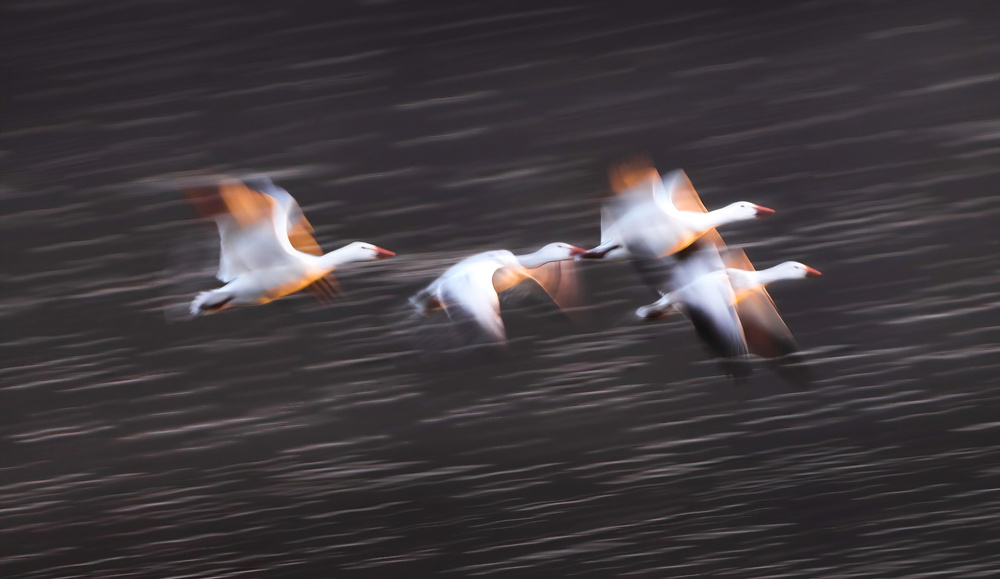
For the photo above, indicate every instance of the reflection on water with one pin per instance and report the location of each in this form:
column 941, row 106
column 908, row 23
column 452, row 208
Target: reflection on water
column 296, row 440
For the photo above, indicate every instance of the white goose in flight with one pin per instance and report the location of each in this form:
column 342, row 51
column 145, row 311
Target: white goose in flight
column 741, row 281
column 725, row 299
column 469, row 290
column 267, row 248
column 660, row 216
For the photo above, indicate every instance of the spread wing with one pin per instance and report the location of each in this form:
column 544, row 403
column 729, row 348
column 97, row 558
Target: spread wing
column 627, row 175
column 300, row 231
column 559, row 280
column 636, row 183
column 767, row 334
column 637, row 219
column 681, row 193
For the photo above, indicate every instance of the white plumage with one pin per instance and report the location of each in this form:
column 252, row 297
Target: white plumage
column 469, row 289
column 267, row 250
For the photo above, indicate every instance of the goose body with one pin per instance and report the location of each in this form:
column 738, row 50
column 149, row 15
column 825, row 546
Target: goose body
column 267, row 250
column 469, row 290
column 660, row 217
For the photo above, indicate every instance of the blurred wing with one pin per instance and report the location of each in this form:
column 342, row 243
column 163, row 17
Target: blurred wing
column 299, row 229
column 244, row 204
column 708, row 303
column 470, row 297
column 234, row 200
column 240, row 213
column 559, row 280
column 681, row 193
column 766, row 333
column 642, row 215
column 635, row 217
column 768, row 337
column 324, row 289
column 627, row 175
column 300, row 234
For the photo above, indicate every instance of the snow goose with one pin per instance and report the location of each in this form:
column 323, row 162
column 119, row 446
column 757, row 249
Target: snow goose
column 469, row 290
column 724, row 297
column 660, row 216
column 267, row 249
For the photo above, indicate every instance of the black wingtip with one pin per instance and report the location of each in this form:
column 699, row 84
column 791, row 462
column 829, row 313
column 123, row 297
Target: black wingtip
column 596, row 254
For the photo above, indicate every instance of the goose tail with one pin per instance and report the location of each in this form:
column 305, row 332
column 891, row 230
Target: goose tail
column 209, row 302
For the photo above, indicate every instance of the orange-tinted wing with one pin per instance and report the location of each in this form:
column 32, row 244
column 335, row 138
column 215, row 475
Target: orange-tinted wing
column 682, row 193
column 245, row 205
column 627, row 175
column 300, row 234
column 558, row 279
column 767, row 335
column 325, row 289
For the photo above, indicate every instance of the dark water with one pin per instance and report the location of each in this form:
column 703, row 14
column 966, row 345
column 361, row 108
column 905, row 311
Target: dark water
column 291, row 440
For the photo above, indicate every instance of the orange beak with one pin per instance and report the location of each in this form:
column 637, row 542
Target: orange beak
column 383, row 253
column 762, row 211
column 810, row 272
column 574, row 251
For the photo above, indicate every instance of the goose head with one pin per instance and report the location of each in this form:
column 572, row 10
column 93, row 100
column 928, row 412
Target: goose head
column 743, row 210
column 793, row 270
column 552, row 252
column 559, row 251
column 361, row 251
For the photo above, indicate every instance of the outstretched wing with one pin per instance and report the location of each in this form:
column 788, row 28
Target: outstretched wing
column 300, row 231
column 767, row 334
column 681, row 193
column 559, row 280
column 629, row 174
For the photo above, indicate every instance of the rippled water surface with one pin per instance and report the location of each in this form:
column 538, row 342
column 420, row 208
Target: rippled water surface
column 297, row 440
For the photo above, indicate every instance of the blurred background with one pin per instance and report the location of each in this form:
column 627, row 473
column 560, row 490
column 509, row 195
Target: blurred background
column 297, row 440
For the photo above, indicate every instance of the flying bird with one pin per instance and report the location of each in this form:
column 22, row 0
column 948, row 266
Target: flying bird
column 469, row 290
column 267, row 247
column 724, row 297
column 660, row 216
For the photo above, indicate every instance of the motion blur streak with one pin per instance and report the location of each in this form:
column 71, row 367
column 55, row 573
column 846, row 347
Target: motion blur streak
column 301, row 440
